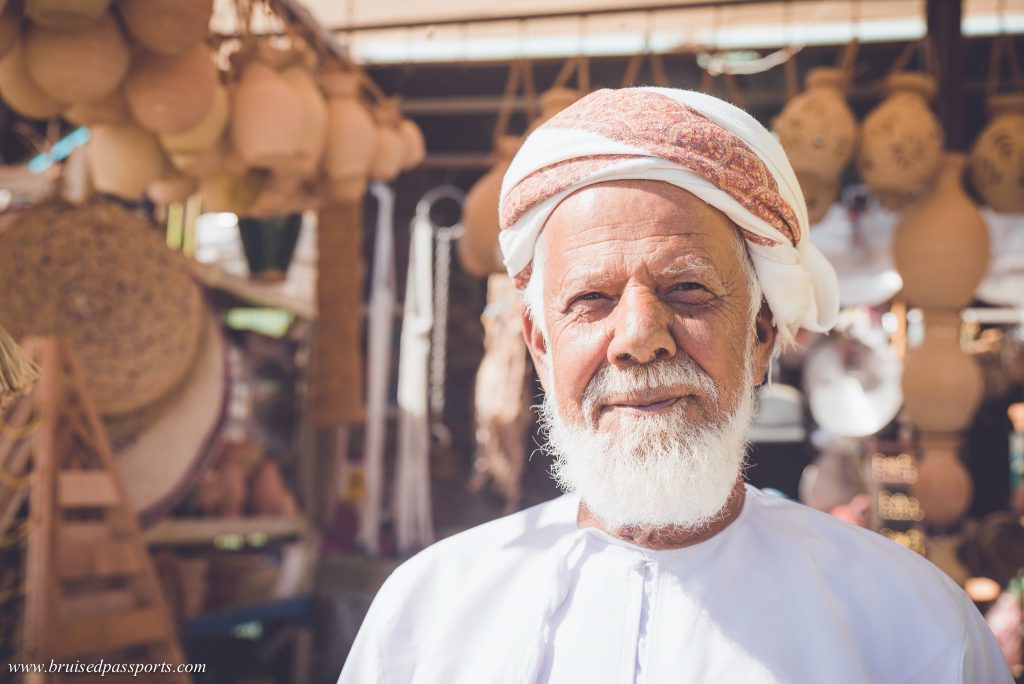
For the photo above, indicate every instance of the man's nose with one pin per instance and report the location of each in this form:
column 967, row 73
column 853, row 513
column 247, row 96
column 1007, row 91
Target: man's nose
column 642, row 330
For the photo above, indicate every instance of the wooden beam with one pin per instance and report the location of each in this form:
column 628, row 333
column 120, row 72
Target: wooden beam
column 944, row 18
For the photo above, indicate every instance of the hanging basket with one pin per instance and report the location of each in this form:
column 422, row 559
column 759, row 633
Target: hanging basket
column 65, row 15
column 313, row 131
column 414, row 144
column 389, row 152
column 351, row 136
column 111, row 109
column 78, row 66
column 266, row 117
column 124, row 159
column 205, row 135
column 167, row 27
column 20, row 92
column 10, row 26
column 171, row 94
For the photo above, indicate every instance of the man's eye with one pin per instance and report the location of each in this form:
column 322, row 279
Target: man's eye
column 688, row 287
column 588, row 297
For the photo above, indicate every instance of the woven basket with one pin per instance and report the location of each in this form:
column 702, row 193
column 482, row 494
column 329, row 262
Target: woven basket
column 106, row 281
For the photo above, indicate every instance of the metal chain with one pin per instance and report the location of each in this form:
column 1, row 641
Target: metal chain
column 439, row 331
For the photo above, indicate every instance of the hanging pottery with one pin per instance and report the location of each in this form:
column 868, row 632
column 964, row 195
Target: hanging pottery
column 351, row 136
column 231, row 192
column 20, row 92
column 817, row 128
column 901, row 140
column 123, row 160
column 171, row 94
column 478, row 248
column 10, row 25
column 65, row 15
column 415, row 145
column 313, row 131
column 941, row 246
column 78, row 66
column 943, row 486
column 199, row 164
column 553, row 101
column 206, row 134
column 266, row 117
column 389, row 152
column 820, row 193
column 111, row 109
column 942, row 385
column 997, row 160
column 169, row 189
column 168, row 27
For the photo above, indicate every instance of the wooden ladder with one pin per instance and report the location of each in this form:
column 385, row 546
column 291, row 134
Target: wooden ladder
column 91, row 590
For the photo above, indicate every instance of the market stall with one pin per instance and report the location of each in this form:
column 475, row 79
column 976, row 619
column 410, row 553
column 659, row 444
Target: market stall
column 257, row 343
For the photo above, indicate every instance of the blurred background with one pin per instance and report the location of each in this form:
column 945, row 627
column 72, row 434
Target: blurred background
column 260, row 347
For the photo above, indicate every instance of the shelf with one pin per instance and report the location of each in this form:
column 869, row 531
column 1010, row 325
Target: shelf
column 225, row 532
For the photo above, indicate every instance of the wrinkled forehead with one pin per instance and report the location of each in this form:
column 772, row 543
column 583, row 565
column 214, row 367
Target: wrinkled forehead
column 658, row 223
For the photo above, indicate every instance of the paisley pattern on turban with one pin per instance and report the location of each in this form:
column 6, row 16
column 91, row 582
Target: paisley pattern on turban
column 704, row 145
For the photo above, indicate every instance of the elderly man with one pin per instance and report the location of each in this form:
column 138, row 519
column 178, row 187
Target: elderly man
column 660, row 238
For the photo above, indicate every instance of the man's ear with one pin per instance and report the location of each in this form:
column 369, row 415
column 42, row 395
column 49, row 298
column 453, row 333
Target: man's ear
column 764, row 342
column 538, row 347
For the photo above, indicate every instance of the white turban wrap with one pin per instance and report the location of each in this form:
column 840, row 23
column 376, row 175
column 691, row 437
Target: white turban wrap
column 697, row 142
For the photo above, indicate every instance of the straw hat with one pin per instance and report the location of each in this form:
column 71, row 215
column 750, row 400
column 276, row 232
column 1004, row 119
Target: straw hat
column 104, row 280
column 164, row 447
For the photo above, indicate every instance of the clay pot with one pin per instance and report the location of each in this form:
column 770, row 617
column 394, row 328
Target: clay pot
column 313, row 131
column 10, row 25
column 820, row 193
column 171, row 94
column 997, row 159
column 78, row 66
column 168, row 27
column 231, row 192
column 351, row 137
column 65, row 15
column 266, row 117
column 169, row 189
column 942, row 385
column 111, row 109
column 901, row 140
column 478, row 248
column 205, row 135
column 414, row 144
column 124, row 159
column 817, row 128
column 268, row 491
column 199, row 164
column 553, row 101
column 20, row 92
column 941, row 245
column 943, row 486
column 389, row 152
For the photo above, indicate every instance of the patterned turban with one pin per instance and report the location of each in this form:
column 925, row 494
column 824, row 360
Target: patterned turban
column 697, row 142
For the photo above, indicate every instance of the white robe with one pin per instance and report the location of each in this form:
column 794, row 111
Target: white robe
column 783, row 594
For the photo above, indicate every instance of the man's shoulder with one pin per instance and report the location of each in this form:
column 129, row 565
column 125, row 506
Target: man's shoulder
column 486, row 552
column 856, row 562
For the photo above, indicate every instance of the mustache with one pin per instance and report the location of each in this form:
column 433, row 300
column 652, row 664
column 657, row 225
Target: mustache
column 682, row 375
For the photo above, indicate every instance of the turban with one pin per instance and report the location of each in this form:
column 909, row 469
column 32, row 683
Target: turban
column 697, row 142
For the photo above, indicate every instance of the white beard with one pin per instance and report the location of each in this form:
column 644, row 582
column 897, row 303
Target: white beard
column 654, row 471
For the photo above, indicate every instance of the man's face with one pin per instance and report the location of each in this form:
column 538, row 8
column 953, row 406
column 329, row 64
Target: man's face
column 637, row 272
column 650, row 341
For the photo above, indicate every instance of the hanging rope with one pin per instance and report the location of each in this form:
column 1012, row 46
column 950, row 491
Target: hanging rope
column 17, row 371
column 1003, row 49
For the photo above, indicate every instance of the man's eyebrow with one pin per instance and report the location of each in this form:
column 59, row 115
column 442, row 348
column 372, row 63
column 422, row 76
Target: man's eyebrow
column 587, row 278
column 688, row 264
